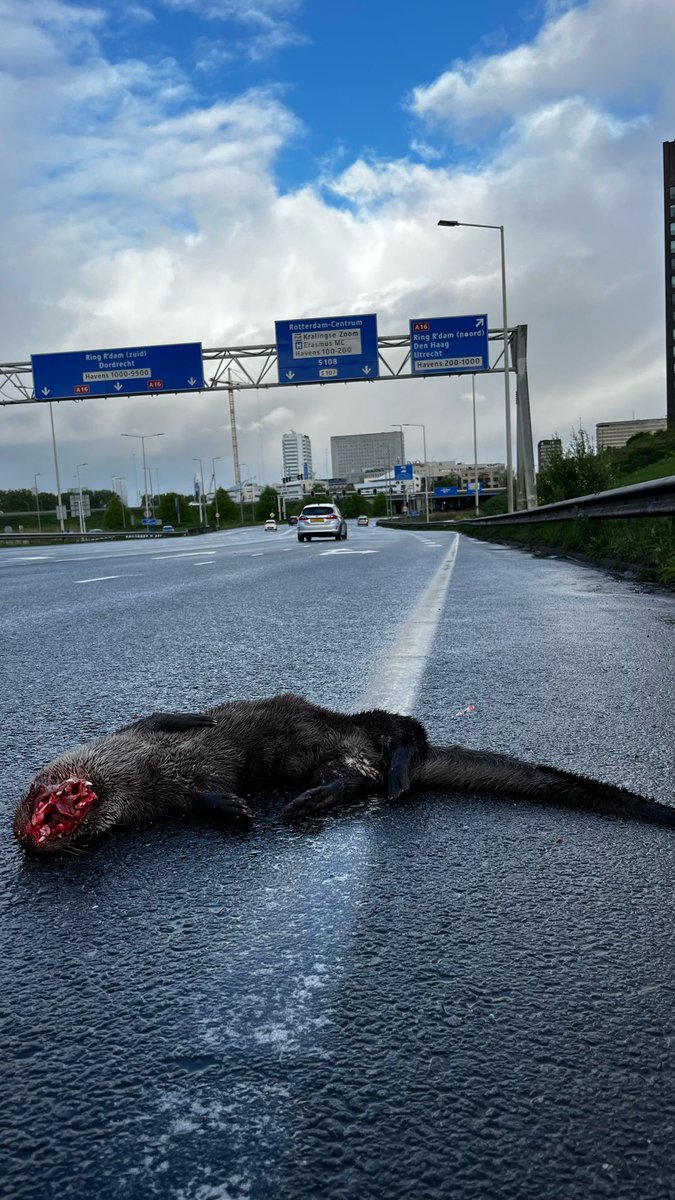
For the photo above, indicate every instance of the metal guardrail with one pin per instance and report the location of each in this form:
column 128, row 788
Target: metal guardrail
column 30, row 539
column 655, row 498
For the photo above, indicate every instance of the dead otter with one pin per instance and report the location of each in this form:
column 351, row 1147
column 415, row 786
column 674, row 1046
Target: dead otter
column 223, row 759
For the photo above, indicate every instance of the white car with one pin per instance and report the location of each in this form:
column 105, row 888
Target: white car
column 321, row 520
column 270, row 525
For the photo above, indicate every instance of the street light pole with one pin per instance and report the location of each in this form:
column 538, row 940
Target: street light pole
column 202, row 500
column 37, row 500
column 79, row 488
column 417, row 425
column 59, row 499
column 241, row 492
column 215, row 490
column 507, row 379
column 475, row 443
column 142, row 437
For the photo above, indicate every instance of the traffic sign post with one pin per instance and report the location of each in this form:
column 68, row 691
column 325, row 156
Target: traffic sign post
column 443, row 345
column 134, row 370
column 323, row 349
column 403, row 472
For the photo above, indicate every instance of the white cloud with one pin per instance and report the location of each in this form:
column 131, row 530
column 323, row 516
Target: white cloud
column 135, row 213
column 614, row 49
column 266, row 23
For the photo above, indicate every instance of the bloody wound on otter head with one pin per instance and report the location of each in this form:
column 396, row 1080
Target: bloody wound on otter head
column 221, row 761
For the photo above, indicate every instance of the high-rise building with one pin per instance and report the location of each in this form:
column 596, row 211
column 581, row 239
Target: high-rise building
column 353, row 454
column 617, row 433
column 545, row 451
column 120, row 489
column 296, row 470
column 669, row 233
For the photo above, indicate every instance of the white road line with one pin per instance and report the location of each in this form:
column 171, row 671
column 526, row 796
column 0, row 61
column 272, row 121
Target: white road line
column 398, row 683
column 33, row 558
column 170, row 555
column 258, row 554
column 207, row 563
column 324, row 552
column 98, row 579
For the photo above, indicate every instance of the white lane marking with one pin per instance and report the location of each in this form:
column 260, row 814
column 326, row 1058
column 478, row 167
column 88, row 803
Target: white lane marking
column 208, row 562
column 398, row 683
column 33, row 558
column 98, row 578
column 324, row 552
column 258, row 554
column 169, row 554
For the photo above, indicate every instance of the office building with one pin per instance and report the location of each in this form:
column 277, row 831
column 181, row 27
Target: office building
column 610, row 434
column 120, row 489
column 353, row 454
column 545, row 451
column 296, row 470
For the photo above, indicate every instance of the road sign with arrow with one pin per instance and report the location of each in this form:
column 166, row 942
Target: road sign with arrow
column 131, row 370
column 327, row 349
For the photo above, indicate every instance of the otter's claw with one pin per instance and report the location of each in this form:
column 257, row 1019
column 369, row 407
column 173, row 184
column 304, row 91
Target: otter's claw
column 229, row 807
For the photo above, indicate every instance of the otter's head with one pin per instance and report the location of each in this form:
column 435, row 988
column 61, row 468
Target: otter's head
column 53, row 813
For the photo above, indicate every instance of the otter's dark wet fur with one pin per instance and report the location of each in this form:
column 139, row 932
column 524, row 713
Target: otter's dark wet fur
column 221, row 760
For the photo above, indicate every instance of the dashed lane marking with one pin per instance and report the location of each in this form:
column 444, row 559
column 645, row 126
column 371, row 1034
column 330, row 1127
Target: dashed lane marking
column 98, row 579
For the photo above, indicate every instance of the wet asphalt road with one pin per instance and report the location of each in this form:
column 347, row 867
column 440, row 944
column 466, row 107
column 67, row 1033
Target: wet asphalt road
column 457, row 997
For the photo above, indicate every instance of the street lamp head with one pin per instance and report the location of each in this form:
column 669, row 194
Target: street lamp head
column 449, row 222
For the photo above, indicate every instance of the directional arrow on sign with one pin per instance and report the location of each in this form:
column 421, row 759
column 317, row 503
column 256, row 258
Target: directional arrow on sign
column 117, row 387
column 366, row 370
column 480, row 321
column 192, row 381
column 290, row 374
column 46, row 391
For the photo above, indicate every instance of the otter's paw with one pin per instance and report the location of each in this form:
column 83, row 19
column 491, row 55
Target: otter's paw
column 398, row 778
column 315, row 800
column 228, row 807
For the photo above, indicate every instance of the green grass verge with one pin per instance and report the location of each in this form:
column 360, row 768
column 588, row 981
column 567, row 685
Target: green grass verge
column 644, row 546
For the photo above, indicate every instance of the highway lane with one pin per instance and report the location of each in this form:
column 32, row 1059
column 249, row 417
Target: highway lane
column 458, row 997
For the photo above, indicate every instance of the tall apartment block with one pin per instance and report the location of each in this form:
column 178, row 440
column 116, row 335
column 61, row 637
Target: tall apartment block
column 354, row 453
column 297, row 473
column 669, row 230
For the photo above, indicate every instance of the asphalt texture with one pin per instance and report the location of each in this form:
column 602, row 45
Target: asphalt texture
column 456, row 997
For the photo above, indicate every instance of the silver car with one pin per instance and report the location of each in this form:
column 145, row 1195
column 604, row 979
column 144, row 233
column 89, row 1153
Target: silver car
column 321, row 520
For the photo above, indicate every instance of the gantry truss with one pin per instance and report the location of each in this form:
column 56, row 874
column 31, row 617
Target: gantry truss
column 242, row 368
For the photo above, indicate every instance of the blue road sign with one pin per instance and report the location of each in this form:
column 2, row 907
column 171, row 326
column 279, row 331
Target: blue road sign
column 405, row 472
column 150, row 522
column 442, row 345
column 327, row 349
column 134, row 370
column 446, row 491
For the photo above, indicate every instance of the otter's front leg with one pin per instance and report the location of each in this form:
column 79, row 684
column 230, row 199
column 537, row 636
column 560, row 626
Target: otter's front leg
column 332, row 793
column 225, row 806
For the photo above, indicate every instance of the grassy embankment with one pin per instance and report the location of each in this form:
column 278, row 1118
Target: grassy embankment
column 643, row 546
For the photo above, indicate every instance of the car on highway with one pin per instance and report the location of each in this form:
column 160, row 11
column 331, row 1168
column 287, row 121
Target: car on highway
column 292, row 520
column 96, row 531
column 168, row 529
column 363, row 520
column 321, row 520
column 270, row 525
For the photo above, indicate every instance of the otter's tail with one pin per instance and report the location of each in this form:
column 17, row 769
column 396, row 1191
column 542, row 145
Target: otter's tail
column 454, row 768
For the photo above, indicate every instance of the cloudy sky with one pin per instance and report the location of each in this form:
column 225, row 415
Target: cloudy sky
column 193, row 170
